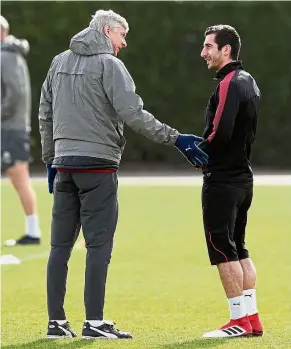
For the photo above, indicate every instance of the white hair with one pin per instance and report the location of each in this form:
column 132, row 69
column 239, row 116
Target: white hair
column 110, row 18
column 4, row 24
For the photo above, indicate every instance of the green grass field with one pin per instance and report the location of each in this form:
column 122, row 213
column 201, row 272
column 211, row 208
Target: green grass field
column 160, row 287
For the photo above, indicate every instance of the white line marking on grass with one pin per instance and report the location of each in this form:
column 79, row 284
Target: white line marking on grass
column 260, row 180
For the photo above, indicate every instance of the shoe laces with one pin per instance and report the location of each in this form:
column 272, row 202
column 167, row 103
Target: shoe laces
column 67, row 324
column 111, row 325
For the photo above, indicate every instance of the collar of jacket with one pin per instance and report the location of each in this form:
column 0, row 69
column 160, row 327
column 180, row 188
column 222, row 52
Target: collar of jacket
column 227, row 69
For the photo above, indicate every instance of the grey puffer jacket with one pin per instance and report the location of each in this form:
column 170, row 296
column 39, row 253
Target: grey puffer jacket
column 87, row 96
column 15, row 85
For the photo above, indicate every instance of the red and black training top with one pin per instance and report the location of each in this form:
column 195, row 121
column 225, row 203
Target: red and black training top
column 231, row 122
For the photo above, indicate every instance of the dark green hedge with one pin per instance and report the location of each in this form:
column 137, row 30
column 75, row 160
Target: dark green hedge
column 163, row 56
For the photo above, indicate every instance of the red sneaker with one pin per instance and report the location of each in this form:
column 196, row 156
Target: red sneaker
column 235, row 328
column 256, row 325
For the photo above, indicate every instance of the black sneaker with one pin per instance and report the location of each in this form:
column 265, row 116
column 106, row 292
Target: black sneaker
column 24, row 240
column 104, row 331
column 56, row 330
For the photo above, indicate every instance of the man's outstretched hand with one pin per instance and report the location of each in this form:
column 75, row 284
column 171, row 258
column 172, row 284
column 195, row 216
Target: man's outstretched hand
column 188, row 146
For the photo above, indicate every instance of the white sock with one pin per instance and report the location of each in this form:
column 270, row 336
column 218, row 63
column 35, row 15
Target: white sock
column 31, row 226
column 251, row 301
column 237, row 307
column 60, row 322
column 95, row 323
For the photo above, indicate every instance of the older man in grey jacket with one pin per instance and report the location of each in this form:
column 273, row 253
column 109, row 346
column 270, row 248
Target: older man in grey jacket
column 15, row 129
column 86, row 98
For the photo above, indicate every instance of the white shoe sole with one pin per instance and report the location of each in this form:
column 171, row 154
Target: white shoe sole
column 242, row 336
column 58, row 337
column 100, row 338
column 221, row 334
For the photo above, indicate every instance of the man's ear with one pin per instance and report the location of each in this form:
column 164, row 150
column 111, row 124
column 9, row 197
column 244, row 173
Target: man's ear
column 226, row 50
column 106, row 30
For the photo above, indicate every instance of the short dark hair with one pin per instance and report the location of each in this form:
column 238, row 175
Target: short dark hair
column 226, row 35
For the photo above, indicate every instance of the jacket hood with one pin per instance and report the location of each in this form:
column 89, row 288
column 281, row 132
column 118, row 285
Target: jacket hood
column 90, row 42
column 12, row 44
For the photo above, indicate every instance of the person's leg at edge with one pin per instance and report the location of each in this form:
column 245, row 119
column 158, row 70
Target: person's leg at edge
column 19, row 177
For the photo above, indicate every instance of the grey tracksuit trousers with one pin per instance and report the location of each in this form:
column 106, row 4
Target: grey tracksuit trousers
column 88, row 200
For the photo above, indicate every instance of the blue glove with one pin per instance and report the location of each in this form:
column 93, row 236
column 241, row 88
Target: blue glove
column 188, row 146
column 51, row 173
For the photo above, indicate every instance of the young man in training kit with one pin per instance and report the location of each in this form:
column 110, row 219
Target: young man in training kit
column 231, row 121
